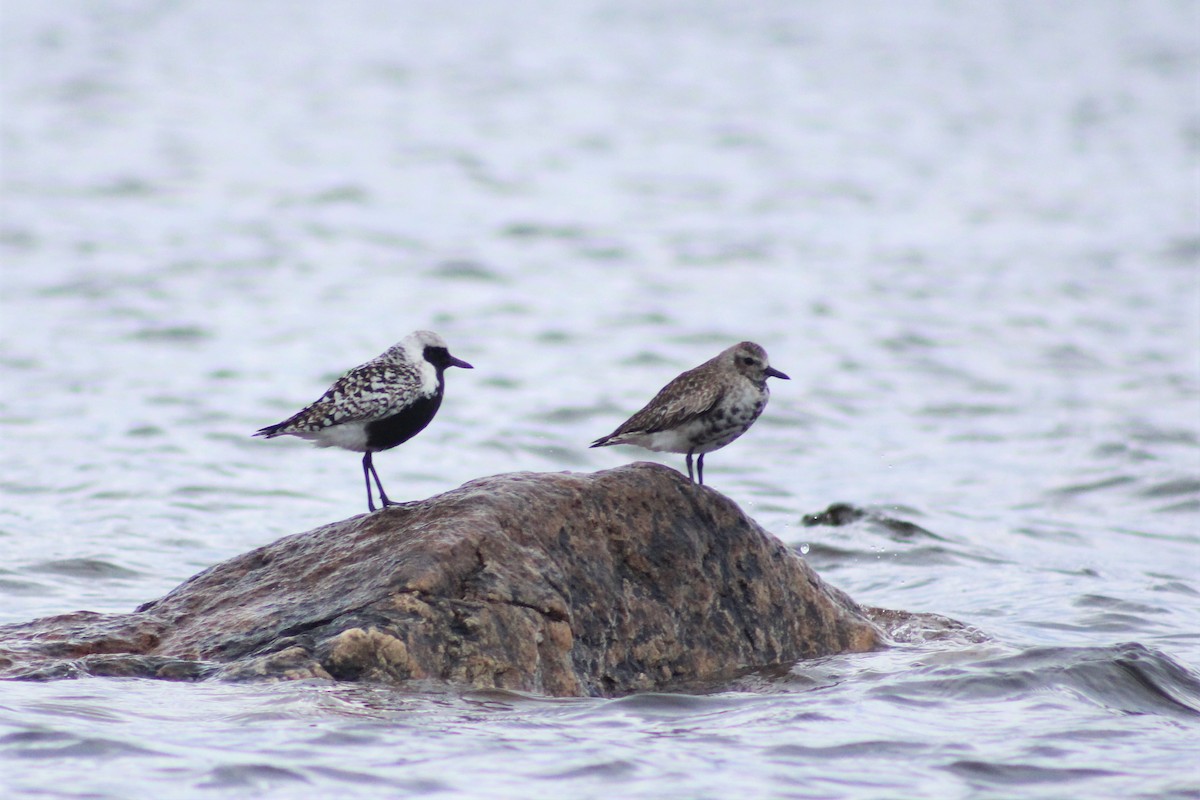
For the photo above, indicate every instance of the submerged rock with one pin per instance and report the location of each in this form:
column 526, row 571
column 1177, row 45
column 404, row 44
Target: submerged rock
column 557, row 583
column 840, row 514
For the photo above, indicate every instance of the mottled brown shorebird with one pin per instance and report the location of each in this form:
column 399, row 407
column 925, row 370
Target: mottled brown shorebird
column 377, row 405
column 703, row 409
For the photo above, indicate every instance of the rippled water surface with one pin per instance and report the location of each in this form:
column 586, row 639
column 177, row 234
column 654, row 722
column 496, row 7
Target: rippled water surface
column 969, row 232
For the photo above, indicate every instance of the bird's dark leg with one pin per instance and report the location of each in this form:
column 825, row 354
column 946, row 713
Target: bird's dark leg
column 383, row 498
column 689, row 465
column 700, row 468
column 368, row 468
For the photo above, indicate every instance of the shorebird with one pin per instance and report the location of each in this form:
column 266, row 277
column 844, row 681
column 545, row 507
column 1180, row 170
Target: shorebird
column 377, row 405
column 703, row 409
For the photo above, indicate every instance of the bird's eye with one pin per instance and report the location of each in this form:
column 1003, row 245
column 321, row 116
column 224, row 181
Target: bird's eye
column 747, row 360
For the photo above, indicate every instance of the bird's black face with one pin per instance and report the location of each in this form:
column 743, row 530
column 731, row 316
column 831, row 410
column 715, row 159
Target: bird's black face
column 441, row 359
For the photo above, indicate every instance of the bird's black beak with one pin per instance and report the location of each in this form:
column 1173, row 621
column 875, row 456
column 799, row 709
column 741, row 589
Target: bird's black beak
column 458, row 362
column 771, row 372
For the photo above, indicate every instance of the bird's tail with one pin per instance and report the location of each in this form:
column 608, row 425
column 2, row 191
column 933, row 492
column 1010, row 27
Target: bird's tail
column 272, row 431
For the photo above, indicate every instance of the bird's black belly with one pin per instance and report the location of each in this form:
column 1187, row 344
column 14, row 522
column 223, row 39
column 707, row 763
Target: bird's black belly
column 399, row 428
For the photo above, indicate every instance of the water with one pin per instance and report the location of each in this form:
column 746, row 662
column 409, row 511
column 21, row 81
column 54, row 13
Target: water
column 969, row 233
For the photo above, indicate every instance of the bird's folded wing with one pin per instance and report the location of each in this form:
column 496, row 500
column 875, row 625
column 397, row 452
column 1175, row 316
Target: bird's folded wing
column 368, row 393
column 678, row 403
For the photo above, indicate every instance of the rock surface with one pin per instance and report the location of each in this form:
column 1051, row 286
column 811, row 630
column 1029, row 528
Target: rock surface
column 557, row 583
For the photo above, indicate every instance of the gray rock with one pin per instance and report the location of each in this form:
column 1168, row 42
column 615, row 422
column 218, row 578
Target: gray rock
column 556, row 583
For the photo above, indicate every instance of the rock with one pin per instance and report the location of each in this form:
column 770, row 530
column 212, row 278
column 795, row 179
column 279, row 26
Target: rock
column 840, row 514
column 556, row 583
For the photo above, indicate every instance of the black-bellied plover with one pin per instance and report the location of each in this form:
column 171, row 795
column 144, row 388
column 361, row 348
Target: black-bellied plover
column 703, row 409
column 379, row 404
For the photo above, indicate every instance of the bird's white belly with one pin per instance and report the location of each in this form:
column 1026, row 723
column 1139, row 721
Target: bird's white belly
column 349, row 436
column 697, row 437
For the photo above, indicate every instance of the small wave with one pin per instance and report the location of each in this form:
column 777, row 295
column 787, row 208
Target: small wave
column 347, row 193
column 958, row 410
column 172, row 333
column 875, row 749
column 43, row 744
column 543, row 230
column 1173, row 585
column 1117, row 604
column 608, row 770
column 1146, row 433
column 570, row 414
column 1099, row 623
column 13, row 586
column 915, row 545
column 993, row 773
column 1129, row 678
column 1070, row 357
column 1183, row 507
column 666, row 704
column 1173, row 488
column 349, row 776
column 824, row 556
column 466, row 270
column 85, row 568
column 1094, row 486
column 229, row 776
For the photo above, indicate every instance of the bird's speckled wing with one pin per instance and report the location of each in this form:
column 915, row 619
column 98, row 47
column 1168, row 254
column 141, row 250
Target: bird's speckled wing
column 688, row 396
column 369, row 392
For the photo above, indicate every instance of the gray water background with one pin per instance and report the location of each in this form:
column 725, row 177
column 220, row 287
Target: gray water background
column 970, row 232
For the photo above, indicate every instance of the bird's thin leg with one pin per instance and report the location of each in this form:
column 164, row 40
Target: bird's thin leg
column 367, row 468
column 700, row 468
column 383, row 498
column 689, row 466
